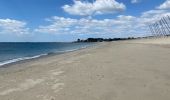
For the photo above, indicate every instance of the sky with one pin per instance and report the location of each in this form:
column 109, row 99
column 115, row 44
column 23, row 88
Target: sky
column 68, row 20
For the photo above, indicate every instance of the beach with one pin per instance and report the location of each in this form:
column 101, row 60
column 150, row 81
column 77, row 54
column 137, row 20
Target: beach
column 121, row 70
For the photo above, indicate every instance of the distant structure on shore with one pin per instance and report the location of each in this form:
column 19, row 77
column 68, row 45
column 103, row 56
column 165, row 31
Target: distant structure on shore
column 161, row 27
column 104, row 40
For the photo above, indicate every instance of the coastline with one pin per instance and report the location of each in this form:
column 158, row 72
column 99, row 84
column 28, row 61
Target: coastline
column 122, row 70
column 18, row 65
column 26, row 59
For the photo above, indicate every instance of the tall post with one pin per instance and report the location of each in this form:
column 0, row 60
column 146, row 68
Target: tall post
column 150, row 27
column 168, row 17
column 165, row 20
column 163, row 28
column 158, row 29
column 166, row 25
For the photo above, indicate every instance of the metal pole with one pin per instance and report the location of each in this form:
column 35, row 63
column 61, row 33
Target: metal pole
column 160, row 31
column 168, row 17
column 152, row 27
column 151, row 30
column 166, row 24
column 156, row 30
column 162, row 27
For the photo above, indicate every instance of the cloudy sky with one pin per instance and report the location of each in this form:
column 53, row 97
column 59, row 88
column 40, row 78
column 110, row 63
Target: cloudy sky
column 67, row 20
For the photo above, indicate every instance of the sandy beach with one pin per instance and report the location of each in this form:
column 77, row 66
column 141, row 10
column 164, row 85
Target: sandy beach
column 124, row 70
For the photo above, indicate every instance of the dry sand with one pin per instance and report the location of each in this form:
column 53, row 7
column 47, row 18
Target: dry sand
column 127, row 70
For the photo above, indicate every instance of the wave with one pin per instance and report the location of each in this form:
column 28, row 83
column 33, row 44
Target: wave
column 37, row 56
column 20, row 59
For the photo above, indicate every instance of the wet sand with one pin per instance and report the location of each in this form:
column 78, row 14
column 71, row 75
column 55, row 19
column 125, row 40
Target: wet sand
column 125, row 70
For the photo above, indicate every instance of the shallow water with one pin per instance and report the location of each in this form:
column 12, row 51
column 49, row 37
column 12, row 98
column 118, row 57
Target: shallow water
column 13, row 52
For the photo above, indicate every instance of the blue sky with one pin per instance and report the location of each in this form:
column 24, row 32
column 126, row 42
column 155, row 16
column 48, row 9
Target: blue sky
column 67, row 20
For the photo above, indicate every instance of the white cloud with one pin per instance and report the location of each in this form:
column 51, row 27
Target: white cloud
column 11, row 26
column 117, row 27
column 57, row 25
column 152, row 16
column 135, row 1
column 165, row 5
column 122, row 26
column 97, row 7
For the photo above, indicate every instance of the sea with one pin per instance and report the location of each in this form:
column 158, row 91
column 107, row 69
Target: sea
column 14, row 52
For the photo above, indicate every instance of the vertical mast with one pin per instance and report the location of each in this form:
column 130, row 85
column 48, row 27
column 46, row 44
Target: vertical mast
column 166, row 25
column 157, row 30
column 152, row 31
column 162, row 28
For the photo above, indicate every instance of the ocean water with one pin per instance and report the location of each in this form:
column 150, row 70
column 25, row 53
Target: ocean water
column 13, row 52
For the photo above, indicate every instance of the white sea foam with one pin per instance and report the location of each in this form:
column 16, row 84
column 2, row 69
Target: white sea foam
column 37, row 56
column 20, row 59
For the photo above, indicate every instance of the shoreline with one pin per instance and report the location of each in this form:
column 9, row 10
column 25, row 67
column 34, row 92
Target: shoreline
column 11, row 62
